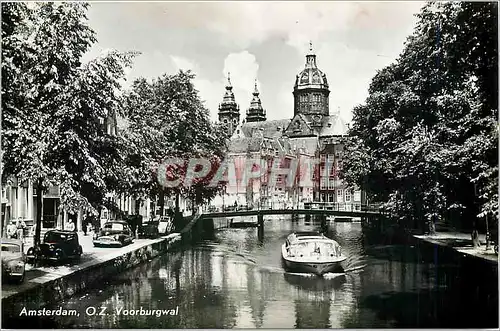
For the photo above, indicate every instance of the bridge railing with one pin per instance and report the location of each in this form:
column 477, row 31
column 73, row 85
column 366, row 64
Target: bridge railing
column 335, row 206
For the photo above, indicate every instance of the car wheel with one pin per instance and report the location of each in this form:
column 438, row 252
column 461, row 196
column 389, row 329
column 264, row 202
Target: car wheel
column 31, row 251
column 79, row 252
column 60, row 255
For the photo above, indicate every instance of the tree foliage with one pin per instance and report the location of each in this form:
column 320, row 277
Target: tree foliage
column 425, row 141
column 167, row 119
column 54, row 105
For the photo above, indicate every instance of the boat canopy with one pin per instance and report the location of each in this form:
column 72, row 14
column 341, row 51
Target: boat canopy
column 299, row 237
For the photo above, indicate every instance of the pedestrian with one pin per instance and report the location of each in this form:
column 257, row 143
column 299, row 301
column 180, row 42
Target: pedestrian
column 33, row 230
column 21, row 226
column 86, row 221
column 11, row 230
column 70, row 226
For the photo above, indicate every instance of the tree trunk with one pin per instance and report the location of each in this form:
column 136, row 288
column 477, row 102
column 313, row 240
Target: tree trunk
column 432, row 227
column 161, row 202
column 38, row 223
column 137, row 206
column 487, row 234
column 177, row 207
column 177, row 214
column 475, row 237
column 193, row 207
column 97, row 220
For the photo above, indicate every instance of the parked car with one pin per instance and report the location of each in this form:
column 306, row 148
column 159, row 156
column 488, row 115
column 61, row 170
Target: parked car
column 57, row 245
column 114, row 233
column 13, row 260
column 165, row 225
column 150, row 229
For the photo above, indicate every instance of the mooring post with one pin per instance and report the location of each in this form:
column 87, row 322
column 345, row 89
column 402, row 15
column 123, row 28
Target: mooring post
column 260, row 220
column 324, row 226
column 260, row 227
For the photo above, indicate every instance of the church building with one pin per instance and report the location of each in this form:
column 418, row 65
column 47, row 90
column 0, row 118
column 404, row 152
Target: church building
column 312, row 133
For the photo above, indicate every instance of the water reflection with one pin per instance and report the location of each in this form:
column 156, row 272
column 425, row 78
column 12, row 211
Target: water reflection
column 233, row 281
column 313, row 283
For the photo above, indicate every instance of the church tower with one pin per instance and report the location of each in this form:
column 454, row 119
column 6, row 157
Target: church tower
column 229, row 111
column 311, row 90
column 256, row 113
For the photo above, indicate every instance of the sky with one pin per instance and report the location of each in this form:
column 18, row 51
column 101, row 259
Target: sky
column 263, row 41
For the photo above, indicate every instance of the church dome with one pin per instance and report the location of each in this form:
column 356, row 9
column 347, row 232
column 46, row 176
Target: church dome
column 311, row 89
column 311, row 76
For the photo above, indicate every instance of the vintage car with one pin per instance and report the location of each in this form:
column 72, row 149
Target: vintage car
column 149, row 229
column 57, row 245
column 114, row 233
column 13, row 260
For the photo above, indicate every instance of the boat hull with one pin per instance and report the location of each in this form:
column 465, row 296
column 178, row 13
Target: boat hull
column 319, row 268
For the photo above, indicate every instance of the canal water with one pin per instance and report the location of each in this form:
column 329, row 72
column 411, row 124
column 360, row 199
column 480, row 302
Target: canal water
column 235, row 280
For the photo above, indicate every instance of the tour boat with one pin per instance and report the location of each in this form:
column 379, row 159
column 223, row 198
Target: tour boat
column 311, row 252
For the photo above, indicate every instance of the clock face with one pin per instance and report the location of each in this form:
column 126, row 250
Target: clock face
column 317, row 118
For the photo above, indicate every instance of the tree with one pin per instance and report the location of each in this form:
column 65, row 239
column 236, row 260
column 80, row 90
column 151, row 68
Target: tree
column 166, row 119
column 52, row 103
column 425, row 141
column 86, row 155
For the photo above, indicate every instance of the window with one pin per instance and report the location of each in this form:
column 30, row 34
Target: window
column 331, row 183
column 339, row 164
column 323, row 197
column 13, row 248
column 340, row 195
column 225, row 121
column 330, row 196
column 348, row 196
column 114, row 227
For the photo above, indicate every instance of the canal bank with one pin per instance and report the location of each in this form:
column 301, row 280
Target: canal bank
column 54, row 284
column 64, row 281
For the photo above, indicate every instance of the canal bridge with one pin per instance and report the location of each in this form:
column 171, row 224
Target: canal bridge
column 322, row 209
column 262, row 212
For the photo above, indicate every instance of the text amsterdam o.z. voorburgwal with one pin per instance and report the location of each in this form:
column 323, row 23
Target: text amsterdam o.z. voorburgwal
column 100, row 311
